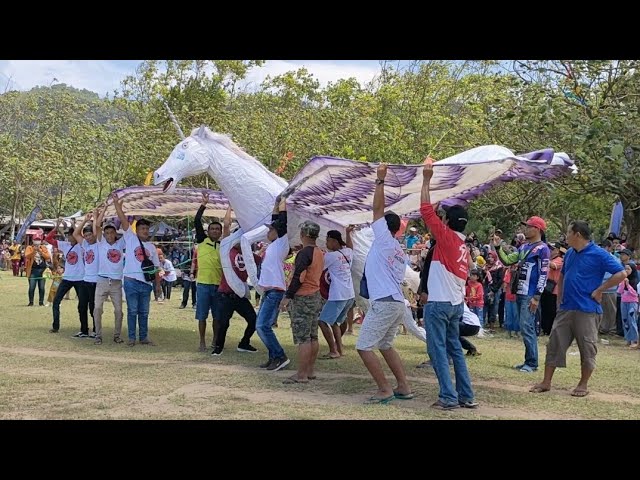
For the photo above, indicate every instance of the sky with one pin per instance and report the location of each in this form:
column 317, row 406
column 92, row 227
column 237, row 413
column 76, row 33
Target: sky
column 104, row 76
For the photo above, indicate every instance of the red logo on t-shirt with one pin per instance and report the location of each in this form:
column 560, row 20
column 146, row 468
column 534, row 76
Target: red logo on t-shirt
column 89, row 256
column 239, row 263
column 114, row 255
column 72, row 258
column 139, row 255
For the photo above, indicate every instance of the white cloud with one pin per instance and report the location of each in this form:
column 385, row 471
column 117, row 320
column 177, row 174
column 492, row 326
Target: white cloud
column 324, row 71
column 99, row 76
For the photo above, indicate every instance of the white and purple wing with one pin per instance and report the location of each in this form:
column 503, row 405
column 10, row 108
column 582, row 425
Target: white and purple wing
column 336, row 192
column 151, row 201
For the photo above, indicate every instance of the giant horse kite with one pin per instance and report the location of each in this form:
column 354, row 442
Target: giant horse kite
column 336, row 192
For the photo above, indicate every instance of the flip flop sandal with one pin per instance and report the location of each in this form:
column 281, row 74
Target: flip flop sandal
column 117, row 340
column 326, row 356
column 403, row 396
column 292, row 380
column 98, row 341
column 379, row 401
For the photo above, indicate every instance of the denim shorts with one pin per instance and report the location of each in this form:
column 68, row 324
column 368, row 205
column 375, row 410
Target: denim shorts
column 335, row 312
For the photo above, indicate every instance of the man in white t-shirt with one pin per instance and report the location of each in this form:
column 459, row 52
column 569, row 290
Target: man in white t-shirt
column 274, row 286
column 383, row 274
column 86, row 236
column 111, row 261
column 169, row 276
column 73, row 277
column 341, row 298
column 136, row 288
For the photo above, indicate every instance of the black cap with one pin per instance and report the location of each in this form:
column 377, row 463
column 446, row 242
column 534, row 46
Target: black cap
column 336, row 235
column 87, row 228
column 626, row 251
column 456, row 212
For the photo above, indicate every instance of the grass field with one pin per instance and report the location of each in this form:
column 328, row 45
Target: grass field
column 47, row 376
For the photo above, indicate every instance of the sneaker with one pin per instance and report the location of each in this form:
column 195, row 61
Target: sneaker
column 41, row 304
column 247, row 348
column 527, row 369
column 194, row 306
column 469, row 404
column 80, row 335
column 440, row 405
column 147, row 341
column 267, row 363
column 279, row 364
column 182, row 306
column 217, row 351
column 30, row 304
column 92, row 334
column 53, row 330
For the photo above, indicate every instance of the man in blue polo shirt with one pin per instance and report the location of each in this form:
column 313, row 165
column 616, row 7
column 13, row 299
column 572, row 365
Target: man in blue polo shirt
column 580, row 290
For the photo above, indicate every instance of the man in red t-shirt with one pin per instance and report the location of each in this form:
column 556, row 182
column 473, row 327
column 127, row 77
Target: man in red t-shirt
column 229, row 302
column 445, row 306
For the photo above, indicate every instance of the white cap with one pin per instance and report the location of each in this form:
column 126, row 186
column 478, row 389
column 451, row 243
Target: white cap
column 413, row 229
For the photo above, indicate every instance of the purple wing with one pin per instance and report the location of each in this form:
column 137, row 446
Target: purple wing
column 337, row 191
column 151, row 201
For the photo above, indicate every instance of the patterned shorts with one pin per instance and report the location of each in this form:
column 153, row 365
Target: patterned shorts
column 304, row 312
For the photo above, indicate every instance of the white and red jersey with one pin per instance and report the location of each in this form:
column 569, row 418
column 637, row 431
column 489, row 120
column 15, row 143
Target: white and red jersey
column 450, row 266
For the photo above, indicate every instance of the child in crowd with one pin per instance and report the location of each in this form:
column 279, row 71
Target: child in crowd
column 475, row 295
column 629, row 309
column 56, row 280
column 510, row 306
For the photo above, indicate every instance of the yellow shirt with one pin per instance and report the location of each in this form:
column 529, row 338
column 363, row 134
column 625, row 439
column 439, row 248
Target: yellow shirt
column 209, row 264
column 15, row 252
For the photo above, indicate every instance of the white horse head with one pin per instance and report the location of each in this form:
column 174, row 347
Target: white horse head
column 250, row 187
column 189, row 158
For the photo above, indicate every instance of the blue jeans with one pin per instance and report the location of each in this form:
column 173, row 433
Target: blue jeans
column 207, row 296
column 267, row 316
column 36, row 280
column 138, row 298
column 527, row 322
column 494, row 306
column 442, row 323
column 479, row 311
column 630, row 321
column 511, row 316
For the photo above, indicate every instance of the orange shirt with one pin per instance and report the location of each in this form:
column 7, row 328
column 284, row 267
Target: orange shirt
column 30, row 252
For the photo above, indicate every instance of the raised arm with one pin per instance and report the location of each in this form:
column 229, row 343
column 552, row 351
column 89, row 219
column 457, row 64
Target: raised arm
column 50, row 238
column 281, row 224
column 505, row 258
column 349, row 240
column 200, row 235
column 378, row 196
column 77, row 233
column 427, row 174
column 117, row 202
column 226, row 223
column 97, row 224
